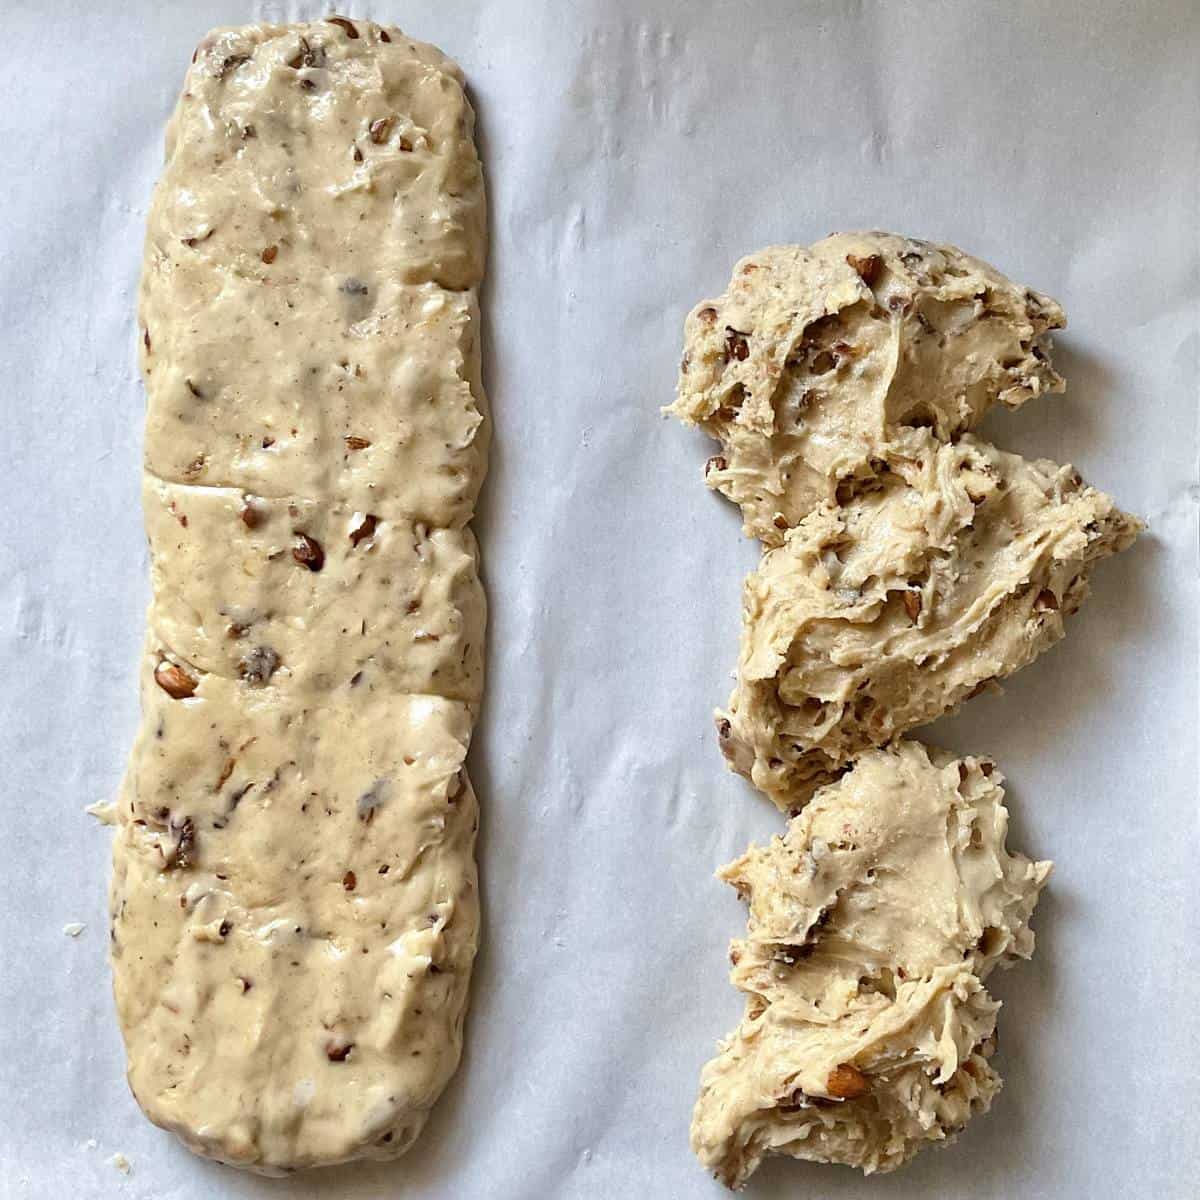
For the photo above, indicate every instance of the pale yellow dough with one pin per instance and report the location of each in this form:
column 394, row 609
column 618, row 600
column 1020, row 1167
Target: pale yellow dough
column 955, row 567
column 396, row 602
column 294, row 901
column 294, row 916
column 874, row 922
column 815, row 359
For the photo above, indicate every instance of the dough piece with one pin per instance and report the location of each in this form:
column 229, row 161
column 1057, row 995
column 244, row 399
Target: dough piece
column 294, row 915
column 393, row 601
column 954, row 568
column 298, row 334
column 874, row 922
column 813, row 360
column 294, row 908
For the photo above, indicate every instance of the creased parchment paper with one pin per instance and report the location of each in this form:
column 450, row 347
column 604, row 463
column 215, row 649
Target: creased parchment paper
column 634, row 151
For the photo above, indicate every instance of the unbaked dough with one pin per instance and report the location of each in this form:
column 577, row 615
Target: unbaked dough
column 396, row 601
column 815, row 358
column 874, row 922
column 954, row 567
column 294, row 915
column 294, row 900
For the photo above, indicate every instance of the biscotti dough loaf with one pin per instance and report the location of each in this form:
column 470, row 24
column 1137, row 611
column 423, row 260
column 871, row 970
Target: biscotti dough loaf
column 874, row 922
column 294, row 900
column 815, row 358
column 954, row 567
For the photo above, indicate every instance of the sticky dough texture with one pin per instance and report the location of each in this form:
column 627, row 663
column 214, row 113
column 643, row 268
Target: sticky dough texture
column 294, row 902
column 269, row 376
column 954, row 568
column 396, row 601
column 295, row 913
column 816, row 358
column 873, row 924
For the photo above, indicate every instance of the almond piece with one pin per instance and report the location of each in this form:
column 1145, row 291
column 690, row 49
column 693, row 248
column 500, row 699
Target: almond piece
column 252, row 514
column 380, row 129
column 308, row 553
column 846, row 1082
column 867, row 266
column 736, row 345
column 174, row 680
column 364, row 529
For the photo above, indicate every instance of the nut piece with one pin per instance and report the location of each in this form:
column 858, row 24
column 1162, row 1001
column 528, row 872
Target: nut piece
column 347, row 25
column 252, row 513
column 356, row 443
column 736, row 345
column 1046, row 601
column 846, row 1082
column 308, row 553
column 912, row 604
column 349, row 881
column 381, row 128
column 269, row 254
column 867, row 266
column 258, row 665
column 174, row 680
column 716, row 463
column 338, row 1051
column 364, row 529
column 307, row 56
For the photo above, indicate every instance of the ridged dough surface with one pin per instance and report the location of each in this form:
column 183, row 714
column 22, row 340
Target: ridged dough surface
column 816, row 358
column 953, row 568
column 873, row 923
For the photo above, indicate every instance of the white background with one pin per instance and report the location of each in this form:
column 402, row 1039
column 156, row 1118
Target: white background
column 633, row 152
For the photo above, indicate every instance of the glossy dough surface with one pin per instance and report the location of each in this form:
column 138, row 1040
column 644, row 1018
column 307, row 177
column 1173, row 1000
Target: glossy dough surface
column 294, row 900
column 873, row 923
column 954, row 567
column 816, row 358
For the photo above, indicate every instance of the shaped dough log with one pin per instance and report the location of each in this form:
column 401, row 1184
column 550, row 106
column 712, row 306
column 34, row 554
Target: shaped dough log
column 816, row 358
column 294, row 903
column 954, row 568
column 873, row 924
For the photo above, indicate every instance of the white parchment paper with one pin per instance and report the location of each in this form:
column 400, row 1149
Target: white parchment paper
column 633, row 152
